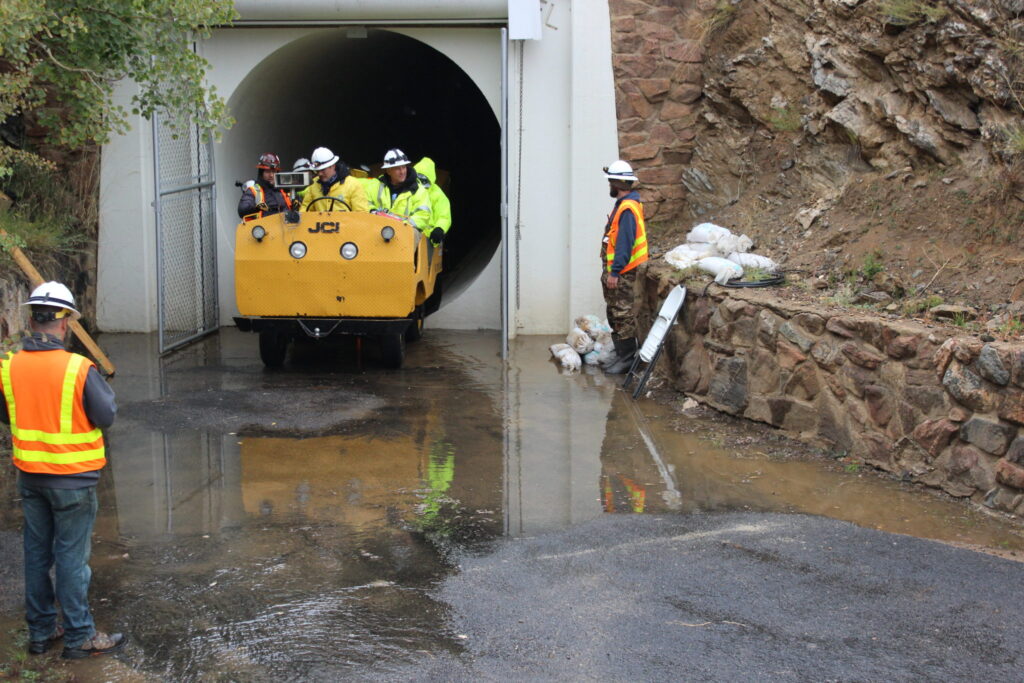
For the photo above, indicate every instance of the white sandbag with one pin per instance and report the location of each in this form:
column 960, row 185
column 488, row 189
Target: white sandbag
column 728, row 244
column 603, row 328
column 707, row 232
column 580, row 341
column 754, row 261
column 588, row 323
column 556, row 349
column 702, row 248
column 567, row 356
column 594, row 357
column 723, row 269
column 686, row 255
column 606, row 352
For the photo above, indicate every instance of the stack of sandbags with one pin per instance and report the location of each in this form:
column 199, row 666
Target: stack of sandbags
column 716, row 250
column 603, row 350
column 589, row 341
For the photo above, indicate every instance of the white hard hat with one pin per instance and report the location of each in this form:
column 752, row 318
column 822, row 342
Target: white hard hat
column 620, row 170
column 247, row 184
column 322, row 158
column 395, row 157
column 301, row 164
column 54, row 294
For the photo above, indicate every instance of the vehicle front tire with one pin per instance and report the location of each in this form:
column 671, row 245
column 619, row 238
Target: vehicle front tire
column 273, row 347
column 415, row 330
column 392, row 350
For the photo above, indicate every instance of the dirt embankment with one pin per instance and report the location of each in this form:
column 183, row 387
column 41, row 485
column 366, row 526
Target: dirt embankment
column 878, row 147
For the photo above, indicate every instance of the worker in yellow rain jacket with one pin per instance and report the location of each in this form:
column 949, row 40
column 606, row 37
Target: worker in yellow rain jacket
column 400, row 192
column 440, row 207
column 333, row 180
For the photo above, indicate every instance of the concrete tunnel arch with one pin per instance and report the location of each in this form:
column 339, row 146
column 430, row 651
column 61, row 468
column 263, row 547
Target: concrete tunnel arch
column 360, row 96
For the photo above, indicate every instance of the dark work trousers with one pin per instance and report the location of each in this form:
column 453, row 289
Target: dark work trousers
column 621, row 306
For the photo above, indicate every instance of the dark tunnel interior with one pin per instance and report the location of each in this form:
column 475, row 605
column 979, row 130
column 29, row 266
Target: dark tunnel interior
column 362, row 96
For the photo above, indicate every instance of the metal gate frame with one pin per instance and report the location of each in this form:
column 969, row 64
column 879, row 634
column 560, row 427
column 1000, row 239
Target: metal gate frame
column 201, row 183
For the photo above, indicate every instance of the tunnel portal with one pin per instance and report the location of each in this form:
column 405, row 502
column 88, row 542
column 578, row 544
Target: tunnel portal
column 360, row 93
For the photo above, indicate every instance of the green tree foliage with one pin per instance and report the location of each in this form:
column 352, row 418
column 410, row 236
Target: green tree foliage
column 61, row 59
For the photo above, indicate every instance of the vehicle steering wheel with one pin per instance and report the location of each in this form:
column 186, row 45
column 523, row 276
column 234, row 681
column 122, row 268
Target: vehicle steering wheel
column 333, row 199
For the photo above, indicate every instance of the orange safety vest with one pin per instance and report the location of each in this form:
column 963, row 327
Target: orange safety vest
column 50, row 432
column 639, row 254
column 257, row 192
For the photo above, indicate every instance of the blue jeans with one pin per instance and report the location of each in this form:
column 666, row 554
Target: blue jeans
column 58, row 532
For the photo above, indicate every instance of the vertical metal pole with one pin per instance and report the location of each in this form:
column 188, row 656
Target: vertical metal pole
column 168, row 485
column 212, row 225
column 159, row 233
column 208, row 229
column 505, row 308
column 199, row 307
column 507, row 446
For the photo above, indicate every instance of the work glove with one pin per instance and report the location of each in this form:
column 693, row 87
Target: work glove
column 262, row 206
column 437, row 236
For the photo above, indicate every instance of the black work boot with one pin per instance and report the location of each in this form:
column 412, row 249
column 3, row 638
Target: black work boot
column 625, row 349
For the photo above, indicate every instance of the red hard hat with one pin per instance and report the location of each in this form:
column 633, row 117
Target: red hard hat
column 269, row 161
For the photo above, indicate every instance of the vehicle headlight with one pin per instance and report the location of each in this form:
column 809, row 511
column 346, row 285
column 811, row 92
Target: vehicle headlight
column 388, row 233
column 349, row 251
column 297, row 250
column 258, row 233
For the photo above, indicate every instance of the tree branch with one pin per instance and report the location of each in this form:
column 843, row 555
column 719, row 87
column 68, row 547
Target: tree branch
column 89, row 73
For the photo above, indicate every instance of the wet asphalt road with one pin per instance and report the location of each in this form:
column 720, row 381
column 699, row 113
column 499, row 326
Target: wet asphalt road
column 728, row 597
column 450, row 521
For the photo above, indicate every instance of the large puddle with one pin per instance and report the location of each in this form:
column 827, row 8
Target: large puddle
column 292, row 524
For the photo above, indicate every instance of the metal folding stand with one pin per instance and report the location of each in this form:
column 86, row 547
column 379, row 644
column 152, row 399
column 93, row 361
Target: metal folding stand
column 655, row 341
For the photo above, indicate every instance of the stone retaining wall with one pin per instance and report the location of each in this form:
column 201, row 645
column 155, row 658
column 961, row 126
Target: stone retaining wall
column 13, row 290
column 658, row 82
column 921, row 402
column 77, row 271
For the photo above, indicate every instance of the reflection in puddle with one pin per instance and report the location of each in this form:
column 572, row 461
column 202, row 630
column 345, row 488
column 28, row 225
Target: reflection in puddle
column 292, row 524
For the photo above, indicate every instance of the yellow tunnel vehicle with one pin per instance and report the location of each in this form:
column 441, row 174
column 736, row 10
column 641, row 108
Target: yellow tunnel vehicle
column 325, row 272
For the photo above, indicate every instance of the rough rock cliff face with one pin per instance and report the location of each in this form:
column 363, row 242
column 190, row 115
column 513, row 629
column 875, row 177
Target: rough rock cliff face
column 701, row 85
column 862, row 90
column 834, row 131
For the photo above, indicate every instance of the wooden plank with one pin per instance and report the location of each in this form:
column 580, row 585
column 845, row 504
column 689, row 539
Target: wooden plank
column 35, row 279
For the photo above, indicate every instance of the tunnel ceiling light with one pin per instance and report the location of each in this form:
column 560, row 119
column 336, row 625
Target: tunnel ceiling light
column 297, row 250
column 349, row 251
column 258, row 233
column 388, row 233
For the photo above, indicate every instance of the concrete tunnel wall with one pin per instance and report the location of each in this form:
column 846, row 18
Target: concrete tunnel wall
column 561, row 130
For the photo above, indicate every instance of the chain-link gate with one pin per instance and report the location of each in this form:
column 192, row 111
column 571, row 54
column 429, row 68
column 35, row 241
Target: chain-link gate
column 186, row 234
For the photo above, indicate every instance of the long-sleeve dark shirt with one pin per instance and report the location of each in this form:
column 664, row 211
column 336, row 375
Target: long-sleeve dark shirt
column 97, row 400
column 271, row 195
column 627, row 234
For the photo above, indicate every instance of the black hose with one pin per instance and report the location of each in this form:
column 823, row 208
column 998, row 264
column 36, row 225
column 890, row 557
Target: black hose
column 770, row 282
